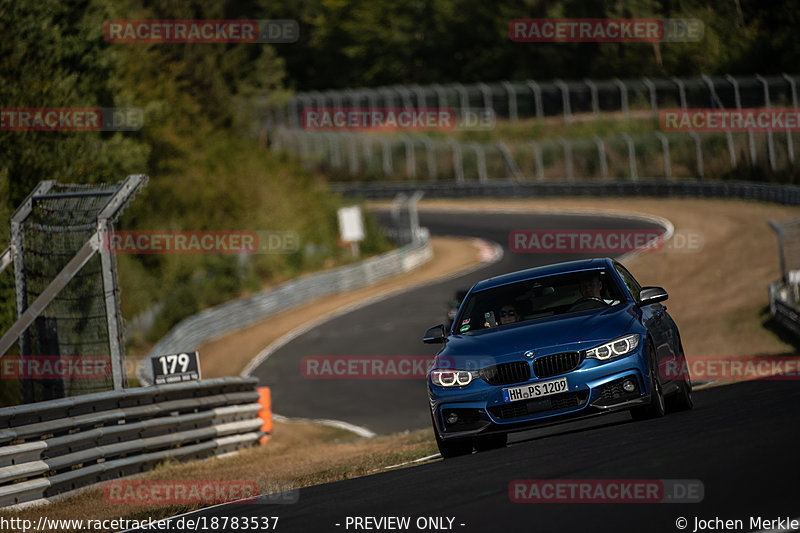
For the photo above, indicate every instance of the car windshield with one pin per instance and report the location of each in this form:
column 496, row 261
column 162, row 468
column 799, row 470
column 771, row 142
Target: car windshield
column 537, row 298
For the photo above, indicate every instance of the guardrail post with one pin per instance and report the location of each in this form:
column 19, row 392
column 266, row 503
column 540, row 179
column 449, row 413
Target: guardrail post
column 537, row 98
column 512, row 101
column 601, row 155
column 564, row 100
column 537, row 152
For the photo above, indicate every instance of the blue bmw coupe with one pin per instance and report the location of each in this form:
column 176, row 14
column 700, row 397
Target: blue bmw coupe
column 550, row 344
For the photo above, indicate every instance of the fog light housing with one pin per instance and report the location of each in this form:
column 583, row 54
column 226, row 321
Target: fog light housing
column 628, row 385
column 452, row 418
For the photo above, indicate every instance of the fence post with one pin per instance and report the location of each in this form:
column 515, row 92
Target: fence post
column 623, row 95
column 653, row 95
column 698, row 153
column 665, row 150
column 464, row 97
column 789, row 142
column 537, row 152
column 510, row 163
column 431, row 156
column 512, row 101
column 564, row 100
column 486, row 91
column 601, row 155
column 537, row 97
column 631, row 156
column 568, row 166
column 458, row 162
column 770, row 145
column 411, row 159
column 595, row 100
column 387, row 157
column 480, row 154
column 681, row 91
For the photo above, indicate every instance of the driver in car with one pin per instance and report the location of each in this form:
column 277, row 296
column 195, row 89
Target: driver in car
column 508, row 315
column 591, row 287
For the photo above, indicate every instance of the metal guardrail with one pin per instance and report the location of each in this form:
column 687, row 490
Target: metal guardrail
column 55, row 447
column 232, row 316
column 780, row 194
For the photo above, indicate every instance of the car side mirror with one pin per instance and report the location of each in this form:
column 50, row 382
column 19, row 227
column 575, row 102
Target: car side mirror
column 651, row 295
column 434, row 335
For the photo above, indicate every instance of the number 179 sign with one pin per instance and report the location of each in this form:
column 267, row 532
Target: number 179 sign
column 175, row 368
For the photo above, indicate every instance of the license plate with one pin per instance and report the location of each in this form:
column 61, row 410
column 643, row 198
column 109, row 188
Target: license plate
column 535, row 390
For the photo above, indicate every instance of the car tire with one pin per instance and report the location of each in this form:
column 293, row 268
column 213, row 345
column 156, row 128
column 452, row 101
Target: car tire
column 491, row 442
column 682, row 401
column 451, row 447
column 656, row 408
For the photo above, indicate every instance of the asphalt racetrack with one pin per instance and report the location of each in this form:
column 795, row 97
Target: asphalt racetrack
column 740, row 441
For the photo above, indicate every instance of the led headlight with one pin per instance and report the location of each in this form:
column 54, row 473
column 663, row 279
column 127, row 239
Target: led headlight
column 453, row 378
column 615, row 348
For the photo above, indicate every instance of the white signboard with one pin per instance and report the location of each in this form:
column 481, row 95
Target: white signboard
column 351, row 224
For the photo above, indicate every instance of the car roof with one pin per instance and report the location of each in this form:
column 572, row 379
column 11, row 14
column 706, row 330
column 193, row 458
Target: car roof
column 547, row 270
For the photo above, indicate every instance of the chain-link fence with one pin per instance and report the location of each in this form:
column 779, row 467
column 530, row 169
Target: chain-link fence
column 520, row 100
column 356, row 156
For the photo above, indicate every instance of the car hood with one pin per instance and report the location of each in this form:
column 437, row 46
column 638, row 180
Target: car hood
column 571, row 332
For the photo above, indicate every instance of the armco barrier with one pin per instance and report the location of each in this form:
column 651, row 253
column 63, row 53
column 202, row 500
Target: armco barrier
column 231, row 316
column 661, row 188
column 55, row 447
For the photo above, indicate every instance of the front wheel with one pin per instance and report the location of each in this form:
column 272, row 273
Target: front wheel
column 656, row 407
column 682, row 401
column 451, row 447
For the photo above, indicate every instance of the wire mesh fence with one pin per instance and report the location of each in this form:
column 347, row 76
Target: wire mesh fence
column 415, row 157
column 521, row 100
